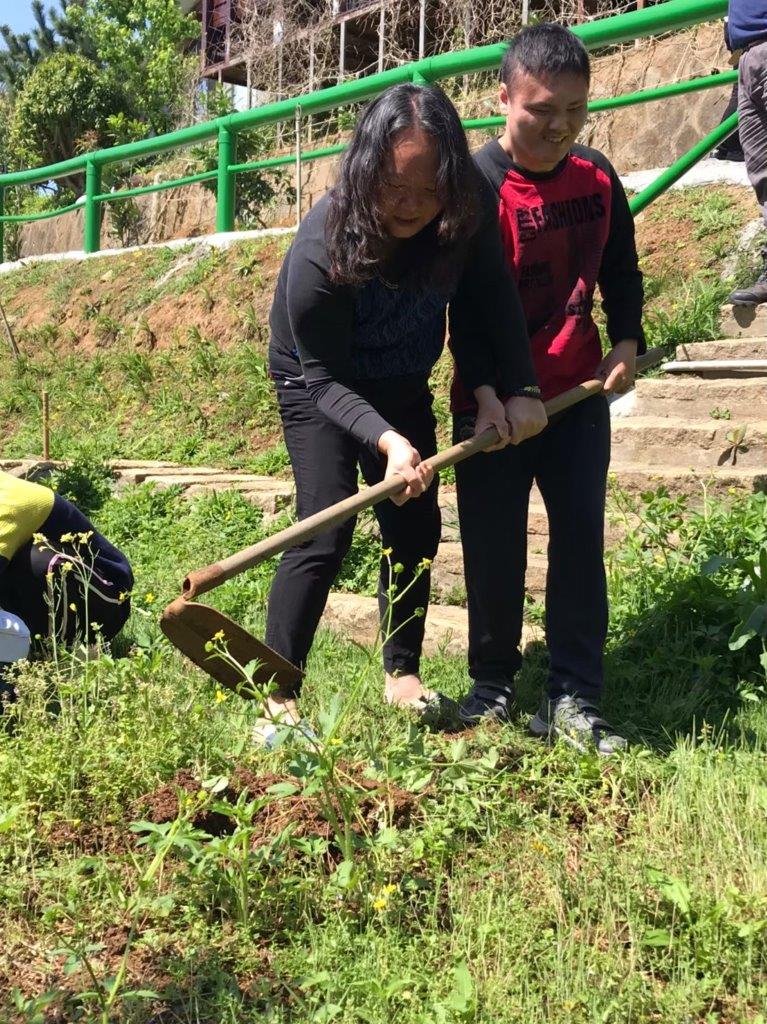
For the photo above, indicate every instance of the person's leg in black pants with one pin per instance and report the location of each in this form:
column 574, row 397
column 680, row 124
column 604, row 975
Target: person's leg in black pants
column 324, row 462
column 493, row 498
column 78, row 591
column 571, row 473
column 412, row 531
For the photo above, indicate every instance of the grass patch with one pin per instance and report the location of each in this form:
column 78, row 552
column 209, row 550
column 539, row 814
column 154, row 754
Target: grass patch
column 392, row 872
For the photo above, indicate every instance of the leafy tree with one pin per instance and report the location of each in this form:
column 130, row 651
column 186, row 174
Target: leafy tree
column 141, row 42
column 54, row 31
column 65, row 103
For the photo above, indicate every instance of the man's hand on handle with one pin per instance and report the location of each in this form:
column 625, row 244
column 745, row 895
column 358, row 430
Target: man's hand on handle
column 618, row 368
column 526, row 417
column 403, row 460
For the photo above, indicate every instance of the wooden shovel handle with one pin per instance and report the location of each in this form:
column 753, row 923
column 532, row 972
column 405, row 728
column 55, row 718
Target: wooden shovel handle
column 202, row 580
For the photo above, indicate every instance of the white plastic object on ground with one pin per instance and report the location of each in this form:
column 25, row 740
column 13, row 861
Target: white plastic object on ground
column 14, row 638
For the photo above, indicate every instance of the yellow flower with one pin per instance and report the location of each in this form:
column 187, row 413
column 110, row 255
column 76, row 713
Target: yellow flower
column 122, row 595
column 38, row 538
column 387, row 551
column 425, row 563
column 67, row 567
column 540, row 847
column 72, row 606
column 149, row 598
column 218, row 636
column 221, row 696
column 66, row 538
column 85, row 537
column 335, row 742
column 389, row 889
column 380, row 904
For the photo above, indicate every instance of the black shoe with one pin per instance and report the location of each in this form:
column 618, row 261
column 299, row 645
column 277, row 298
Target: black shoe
column 734, row 155
column 490, row 700
column 753, row 295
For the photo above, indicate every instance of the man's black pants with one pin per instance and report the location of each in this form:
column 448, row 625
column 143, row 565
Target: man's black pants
column 325, row 462
column 569, row 462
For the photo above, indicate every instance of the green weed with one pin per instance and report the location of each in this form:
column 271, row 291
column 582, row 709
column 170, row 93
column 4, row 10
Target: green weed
column 384, row 871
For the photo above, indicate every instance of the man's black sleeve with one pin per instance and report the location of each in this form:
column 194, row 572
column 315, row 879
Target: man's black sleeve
column 321, row 319
column 620, row 279
column 488, row 334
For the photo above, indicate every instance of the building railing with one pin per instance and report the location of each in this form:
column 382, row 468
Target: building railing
column 658, row 19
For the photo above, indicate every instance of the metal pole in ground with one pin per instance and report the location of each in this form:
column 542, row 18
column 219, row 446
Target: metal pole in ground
column 311, row 82
column 342, row 53
column 298, row 167
column 9, row 332
column 381, row 37
column 422, row 30
column 46, row 428
column 525, row 11
column 2, row 225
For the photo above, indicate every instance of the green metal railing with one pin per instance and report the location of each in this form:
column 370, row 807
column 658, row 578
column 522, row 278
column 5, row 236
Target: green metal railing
column 663, row 17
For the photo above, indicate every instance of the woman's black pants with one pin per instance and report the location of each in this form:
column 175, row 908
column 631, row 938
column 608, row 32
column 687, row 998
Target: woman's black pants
column 325, row 461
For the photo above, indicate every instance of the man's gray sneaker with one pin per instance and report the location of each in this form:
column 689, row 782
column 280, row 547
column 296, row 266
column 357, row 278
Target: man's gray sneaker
column 487, row 700
column 578, row 723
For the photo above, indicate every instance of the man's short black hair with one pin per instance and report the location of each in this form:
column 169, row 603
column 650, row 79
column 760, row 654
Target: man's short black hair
column 546, row 50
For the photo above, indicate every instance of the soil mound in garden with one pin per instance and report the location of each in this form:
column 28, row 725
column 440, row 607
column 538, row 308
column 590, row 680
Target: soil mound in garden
column 378, row 804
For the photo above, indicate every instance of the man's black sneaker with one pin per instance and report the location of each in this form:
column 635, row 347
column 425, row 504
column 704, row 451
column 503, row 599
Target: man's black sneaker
column 578, row 723
column 488, row 700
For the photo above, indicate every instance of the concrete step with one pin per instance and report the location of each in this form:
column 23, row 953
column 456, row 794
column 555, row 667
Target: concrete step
column 672, row 442
column 744, row 321
column 720, row 369
column 537, row 520
column 725, row 348
column 721, row 481
column 696, row 398
column 447, row 631
column 447, row 580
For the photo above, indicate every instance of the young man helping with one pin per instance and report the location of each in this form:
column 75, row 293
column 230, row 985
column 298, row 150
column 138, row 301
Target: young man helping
column 566, row 227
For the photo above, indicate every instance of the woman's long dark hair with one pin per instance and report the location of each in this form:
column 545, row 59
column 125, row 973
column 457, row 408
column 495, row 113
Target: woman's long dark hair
column 353, row 229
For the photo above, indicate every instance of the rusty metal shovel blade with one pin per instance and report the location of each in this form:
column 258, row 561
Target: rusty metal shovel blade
column 191, row 627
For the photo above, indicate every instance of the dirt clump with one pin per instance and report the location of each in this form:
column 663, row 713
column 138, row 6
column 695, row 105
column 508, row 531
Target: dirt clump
column 377, row 803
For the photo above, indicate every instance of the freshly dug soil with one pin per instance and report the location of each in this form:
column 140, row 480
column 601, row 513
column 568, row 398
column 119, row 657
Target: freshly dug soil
column 379, row 804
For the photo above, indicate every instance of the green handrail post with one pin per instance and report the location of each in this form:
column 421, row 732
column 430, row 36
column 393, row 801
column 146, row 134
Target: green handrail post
column 226, row 180
column 92, row 241
column 2, row 225
column 683, row 164
column 419, row 79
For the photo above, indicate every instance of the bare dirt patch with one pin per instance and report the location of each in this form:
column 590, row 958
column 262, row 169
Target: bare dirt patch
column 668, row 235
column 377, row 802
column 143, row 299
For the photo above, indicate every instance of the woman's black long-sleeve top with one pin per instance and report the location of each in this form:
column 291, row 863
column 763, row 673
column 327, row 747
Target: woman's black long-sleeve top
column 352, row 346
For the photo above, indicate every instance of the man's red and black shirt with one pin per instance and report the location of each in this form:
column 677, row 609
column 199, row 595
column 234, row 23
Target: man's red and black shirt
column 564, row 232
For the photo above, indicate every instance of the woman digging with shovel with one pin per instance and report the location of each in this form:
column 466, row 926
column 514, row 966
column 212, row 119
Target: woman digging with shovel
column 357, row 324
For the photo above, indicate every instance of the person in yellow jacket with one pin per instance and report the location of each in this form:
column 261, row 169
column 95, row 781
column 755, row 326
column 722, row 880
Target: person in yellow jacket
column 58, row 575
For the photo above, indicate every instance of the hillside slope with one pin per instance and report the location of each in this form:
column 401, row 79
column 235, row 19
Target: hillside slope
column 160, row 353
